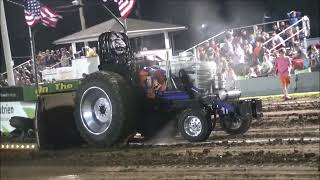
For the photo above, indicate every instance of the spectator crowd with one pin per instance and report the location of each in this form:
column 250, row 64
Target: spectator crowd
column 51, row 58
column 253, row 55
column 45, row 60
column 24, row 74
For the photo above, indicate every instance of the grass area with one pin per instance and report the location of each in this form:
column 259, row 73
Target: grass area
column 30, row 112
column 280, row 96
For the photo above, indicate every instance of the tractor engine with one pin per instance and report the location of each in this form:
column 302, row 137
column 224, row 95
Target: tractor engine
column 115, row 54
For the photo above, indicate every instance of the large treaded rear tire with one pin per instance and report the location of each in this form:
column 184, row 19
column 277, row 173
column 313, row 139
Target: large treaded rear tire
column 101, row 129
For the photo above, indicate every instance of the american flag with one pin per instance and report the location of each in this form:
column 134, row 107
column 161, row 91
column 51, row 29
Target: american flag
column 125, row 6
column 35, row 13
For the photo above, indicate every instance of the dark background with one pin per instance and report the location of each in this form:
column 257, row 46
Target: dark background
column 217, row 14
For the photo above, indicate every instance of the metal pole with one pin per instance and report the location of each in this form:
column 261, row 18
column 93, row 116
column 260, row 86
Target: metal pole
column 138, row 9
column 305, row 23
column 82, row 19
column 195, row 53
column 6, row 46
column 166, row 40
column 125, row 25
column 34, row 64
column 115, row 17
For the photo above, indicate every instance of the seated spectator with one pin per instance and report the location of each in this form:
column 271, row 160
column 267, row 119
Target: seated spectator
column 266, row 66
column 265, row 36
column 58, row 53
column 300, row 60
column 276, row 40
column 258, row 53
column 275, row 28
column 201, row 53
column 215, row 48
column 248, row 52
column 18, row 81
column 244, row 35
column 229, row 77
column 64, row 59
column 210, row 55
column 47, row 58
column 220, row 63
column 259, row 31
column 252, row 73
column 283, row 26
column 238, row 55
column 206, row 46
column 227, row 48
column 91, row 52
column 3, row 81
column 252, row 40
column 54, row 57
column 314, row 56
column 238, row 61
column 294, row 41
column 41, row 61
column 257, row 70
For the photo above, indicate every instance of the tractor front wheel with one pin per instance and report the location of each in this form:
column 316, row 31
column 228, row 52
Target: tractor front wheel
column 234, row 124
column 193, row 125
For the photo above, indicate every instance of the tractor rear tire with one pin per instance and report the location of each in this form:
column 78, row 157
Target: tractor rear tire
column 103, row 109
column 193, row 125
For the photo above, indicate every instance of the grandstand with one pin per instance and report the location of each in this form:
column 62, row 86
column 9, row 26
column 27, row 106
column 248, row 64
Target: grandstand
column 248, row 51
column 258, row 47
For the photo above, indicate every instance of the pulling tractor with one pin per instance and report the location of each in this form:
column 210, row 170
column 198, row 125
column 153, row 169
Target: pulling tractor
column 128, row 95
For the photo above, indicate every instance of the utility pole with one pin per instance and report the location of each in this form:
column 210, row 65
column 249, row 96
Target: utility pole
column 6, row 46
column 138, row 13
column 82, row 19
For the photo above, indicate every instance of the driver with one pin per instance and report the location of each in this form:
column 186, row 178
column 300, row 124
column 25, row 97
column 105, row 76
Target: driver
column 152, row 81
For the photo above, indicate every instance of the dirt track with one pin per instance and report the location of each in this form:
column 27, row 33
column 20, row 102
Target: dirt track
column 284, row 144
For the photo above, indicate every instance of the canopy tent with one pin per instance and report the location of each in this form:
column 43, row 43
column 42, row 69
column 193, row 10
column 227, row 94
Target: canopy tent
column 135, row 28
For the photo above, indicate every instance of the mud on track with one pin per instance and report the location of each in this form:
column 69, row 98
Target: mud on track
column 284, row 144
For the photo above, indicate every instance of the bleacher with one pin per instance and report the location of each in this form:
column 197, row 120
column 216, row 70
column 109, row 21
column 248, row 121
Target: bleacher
column 23, row 74
column 258, row 61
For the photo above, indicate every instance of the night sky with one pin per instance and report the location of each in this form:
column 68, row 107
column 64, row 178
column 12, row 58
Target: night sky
column 217, row 14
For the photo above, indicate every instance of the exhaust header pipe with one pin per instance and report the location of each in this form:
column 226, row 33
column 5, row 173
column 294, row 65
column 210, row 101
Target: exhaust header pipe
column 225, row 95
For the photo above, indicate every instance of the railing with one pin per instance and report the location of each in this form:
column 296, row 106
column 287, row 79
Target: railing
column 18, row 66
column 305, row 28
column 55, row 65
column 276, row 46
column 204, row 41
column 261, row 24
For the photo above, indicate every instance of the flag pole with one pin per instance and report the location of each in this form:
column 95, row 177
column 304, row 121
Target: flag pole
column 6, row 46
column 115, row 17
column 125, row 25
column 33, row 59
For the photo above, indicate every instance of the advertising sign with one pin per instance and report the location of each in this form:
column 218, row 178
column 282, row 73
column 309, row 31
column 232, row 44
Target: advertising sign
column 9, row 109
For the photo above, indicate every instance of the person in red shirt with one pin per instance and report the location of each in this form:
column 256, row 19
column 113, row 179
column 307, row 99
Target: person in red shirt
column 258, row 52
column 282, row 68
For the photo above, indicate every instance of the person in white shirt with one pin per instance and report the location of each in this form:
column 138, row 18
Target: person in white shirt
column 230, row 78
column 238, row 56
column 266, row 66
